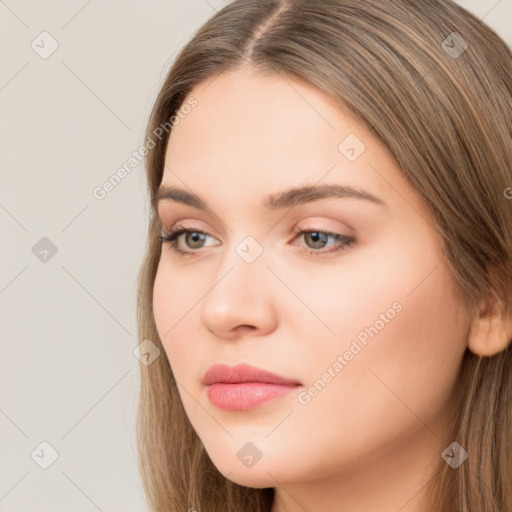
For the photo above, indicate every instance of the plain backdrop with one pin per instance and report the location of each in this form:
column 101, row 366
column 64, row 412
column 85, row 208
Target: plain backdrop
column 69, row 379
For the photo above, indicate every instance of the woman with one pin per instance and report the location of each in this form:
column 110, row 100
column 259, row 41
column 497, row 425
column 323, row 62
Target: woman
column 328, row 271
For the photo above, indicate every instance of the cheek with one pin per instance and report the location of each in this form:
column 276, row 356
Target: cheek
column 163, row 300
column 174, row 296
column 399, row 283
column 362, row 301
column 170, row 312
column 401, row 333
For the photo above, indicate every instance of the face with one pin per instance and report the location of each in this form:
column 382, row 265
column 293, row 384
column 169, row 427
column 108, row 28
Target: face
column 347, row 296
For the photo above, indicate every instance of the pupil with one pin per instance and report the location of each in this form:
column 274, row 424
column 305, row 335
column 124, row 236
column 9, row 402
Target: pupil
column 316, row 238
column 196, row 237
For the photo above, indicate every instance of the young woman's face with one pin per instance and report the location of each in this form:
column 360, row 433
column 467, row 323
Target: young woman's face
column 370, row 329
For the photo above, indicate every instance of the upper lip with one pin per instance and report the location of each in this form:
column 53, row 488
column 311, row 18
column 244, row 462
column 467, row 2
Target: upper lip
column 243, row 373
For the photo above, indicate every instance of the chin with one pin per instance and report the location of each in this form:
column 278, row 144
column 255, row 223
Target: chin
column 259, row 480
column 260, row 475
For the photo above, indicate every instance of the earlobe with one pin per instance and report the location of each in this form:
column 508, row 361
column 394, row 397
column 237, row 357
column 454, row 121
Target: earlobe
column 491, row 332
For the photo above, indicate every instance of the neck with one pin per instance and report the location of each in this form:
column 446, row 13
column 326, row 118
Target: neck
column 395, row 479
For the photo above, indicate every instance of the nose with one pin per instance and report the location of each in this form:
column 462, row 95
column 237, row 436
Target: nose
column 240, row 300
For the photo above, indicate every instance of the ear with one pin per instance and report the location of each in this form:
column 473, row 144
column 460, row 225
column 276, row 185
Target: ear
column 491, row 331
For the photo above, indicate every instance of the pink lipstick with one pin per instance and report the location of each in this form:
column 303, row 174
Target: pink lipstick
column 243, row 386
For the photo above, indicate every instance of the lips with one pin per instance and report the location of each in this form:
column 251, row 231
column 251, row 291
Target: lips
column 244, row 373
column 243, row 387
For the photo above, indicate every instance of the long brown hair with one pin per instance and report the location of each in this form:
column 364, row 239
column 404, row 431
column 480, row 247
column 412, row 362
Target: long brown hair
column 434, row 84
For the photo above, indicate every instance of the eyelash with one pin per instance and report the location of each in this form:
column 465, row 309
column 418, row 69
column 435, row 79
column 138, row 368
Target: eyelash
column 171, row 237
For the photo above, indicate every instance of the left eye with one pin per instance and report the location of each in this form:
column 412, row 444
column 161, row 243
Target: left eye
column 195, row 238
column 319, row 240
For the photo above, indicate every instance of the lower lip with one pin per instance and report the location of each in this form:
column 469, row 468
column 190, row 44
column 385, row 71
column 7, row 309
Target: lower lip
column 245, row 395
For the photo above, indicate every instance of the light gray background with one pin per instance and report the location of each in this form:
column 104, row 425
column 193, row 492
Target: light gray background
column 68, row 375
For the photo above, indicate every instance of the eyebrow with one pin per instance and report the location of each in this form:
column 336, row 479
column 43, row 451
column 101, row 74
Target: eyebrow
column 286, row 199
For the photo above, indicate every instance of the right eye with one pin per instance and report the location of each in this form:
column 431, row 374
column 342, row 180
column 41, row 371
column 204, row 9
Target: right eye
column 172, row 236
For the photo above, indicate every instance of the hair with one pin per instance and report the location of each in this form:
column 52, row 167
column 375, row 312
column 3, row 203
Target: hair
column 447, row 120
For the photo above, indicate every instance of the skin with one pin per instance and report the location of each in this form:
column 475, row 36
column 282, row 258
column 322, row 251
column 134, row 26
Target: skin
column 370, row 439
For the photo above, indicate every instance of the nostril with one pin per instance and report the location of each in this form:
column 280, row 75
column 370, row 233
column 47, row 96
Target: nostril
column 245, row 328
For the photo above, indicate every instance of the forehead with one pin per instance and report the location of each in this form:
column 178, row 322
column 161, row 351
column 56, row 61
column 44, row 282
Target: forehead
column 255, row 134
column 254, row 117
